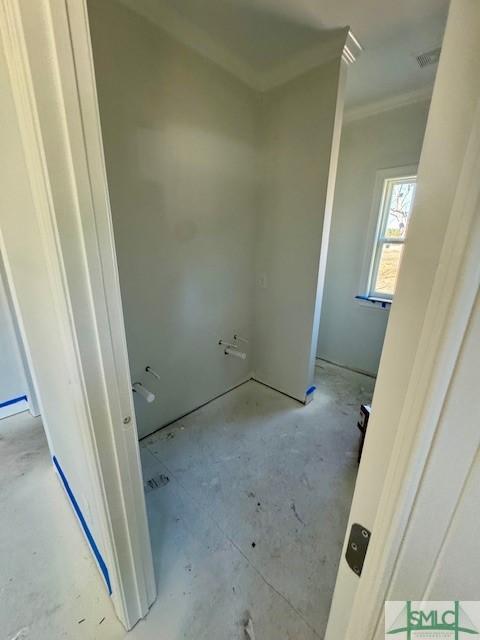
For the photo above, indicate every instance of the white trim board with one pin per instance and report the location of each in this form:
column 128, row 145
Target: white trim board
column 47, row 48
column 387, row 104
column 13, row 409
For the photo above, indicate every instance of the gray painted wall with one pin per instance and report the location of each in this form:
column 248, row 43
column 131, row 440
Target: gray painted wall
column 13, row 383
column 211, row 183
column 299, row 133
column 352, row 334
column 179, row 136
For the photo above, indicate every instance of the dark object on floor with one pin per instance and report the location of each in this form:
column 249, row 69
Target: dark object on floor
column 362, row 424
column 159, row 480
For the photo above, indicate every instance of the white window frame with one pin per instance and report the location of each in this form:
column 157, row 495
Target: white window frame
column 384, row 178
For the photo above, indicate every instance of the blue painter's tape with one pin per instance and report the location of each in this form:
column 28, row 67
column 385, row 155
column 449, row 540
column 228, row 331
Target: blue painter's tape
column 13, row 401
column 91, row 541
column 310, row 390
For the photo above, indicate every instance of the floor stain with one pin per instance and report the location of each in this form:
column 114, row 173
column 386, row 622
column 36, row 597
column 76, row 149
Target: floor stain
column 295, row 512
column 159, row 480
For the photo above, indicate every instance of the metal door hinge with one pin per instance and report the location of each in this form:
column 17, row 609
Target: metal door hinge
column 357, row 548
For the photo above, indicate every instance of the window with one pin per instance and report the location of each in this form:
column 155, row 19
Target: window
column 393, row 218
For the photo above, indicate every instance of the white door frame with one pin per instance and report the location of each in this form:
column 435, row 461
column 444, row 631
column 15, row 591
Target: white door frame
column 66, row 32
column 52, row 126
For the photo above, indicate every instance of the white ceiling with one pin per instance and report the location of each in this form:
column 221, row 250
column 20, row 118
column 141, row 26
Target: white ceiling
column 260, row 32
column 259, row 35
column 387, row 65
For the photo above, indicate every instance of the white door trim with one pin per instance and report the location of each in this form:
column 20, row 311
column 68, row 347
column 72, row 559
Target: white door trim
column 452, row 300
column 100, row 365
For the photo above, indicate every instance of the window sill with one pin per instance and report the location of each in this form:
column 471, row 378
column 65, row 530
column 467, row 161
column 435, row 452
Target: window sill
column 378, row 303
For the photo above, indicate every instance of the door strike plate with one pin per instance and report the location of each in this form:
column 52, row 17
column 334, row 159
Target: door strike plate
column 357, row 548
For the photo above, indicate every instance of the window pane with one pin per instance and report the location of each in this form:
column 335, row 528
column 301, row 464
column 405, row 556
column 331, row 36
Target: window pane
column 399, row 209
column 388, row 269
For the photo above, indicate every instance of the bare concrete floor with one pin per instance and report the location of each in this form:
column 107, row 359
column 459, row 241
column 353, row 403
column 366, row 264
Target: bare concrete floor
column 253, row 517
column 50, row 587
column 248, row 520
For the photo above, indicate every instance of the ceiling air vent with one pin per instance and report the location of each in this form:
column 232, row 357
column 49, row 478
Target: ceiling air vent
column 428, row 58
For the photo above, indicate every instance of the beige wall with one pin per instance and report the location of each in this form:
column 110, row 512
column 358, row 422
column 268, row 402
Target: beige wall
column 213, row 186
column 299, row 134
column 179, row 136
column 352, row 333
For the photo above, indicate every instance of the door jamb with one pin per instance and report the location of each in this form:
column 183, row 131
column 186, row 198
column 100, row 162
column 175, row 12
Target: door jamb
column 112, row 440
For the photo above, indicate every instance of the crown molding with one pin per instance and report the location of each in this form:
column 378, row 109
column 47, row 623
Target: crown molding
column 191, row 36
column 387, row 104
column 351, row 49
column 304, row 61
column 343, row 45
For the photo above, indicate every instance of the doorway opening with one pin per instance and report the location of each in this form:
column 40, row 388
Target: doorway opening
column 248, row 482
column 221, row 182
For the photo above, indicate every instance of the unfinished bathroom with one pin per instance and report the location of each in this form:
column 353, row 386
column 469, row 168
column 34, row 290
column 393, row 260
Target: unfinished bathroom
column 259, row 169
column 221, row 134
column 221, row 180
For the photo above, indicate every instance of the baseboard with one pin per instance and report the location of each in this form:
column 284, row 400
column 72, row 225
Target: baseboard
column 13, row 406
